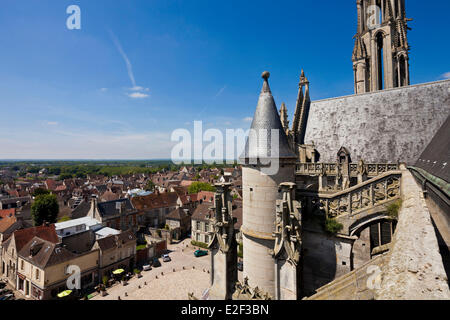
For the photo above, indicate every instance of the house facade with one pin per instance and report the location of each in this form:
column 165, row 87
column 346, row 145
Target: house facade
column 16, row 242
column 116, row 251
column 45, row 268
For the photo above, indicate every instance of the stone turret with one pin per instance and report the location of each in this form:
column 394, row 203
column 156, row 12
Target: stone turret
column 266, row 148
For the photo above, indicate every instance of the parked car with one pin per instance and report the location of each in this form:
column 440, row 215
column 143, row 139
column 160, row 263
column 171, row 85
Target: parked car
column 156, row 263
column 147, row 267
column 240, row 266
column 199, row 253
column 166, row 258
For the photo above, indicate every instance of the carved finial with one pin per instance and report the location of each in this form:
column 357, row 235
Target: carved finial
column 265, row 75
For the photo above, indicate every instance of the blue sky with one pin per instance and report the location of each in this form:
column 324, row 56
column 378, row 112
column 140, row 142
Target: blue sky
column 137, row 70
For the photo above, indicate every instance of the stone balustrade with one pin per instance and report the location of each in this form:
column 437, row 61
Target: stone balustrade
column 333, row 169
column 364, row 196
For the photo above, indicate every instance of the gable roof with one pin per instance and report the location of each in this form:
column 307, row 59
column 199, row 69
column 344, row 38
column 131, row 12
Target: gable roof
column 42, row 253
column 177, row 214
column 202, row 211
column 207, row 196
column 155, row 201
column 114, row 240
column 23, row 236
column 7, row 213
column 108, row 208
column 6, row 223
column 81, row 210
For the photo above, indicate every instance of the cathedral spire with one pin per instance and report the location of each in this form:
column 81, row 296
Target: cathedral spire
column 381, row 51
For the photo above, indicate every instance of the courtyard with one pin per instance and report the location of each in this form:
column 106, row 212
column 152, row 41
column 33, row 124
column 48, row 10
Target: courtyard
column 173, row 280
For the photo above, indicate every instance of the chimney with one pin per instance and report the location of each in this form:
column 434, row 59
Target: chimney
column 93, row 205
column 19, row 216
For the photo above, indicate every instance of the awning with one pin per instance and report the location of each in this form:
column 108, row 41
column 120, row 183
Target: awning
column 64, row 293
column 118, row 271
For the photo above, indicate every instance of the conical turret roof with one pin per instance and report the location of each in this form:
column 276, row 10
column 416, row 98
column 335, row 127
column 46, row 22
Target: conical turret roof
column 265, row 120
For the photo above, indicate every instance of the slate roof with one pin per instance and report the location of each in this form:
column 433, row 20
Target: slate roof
column 113, row 241
column 266, row 119
column 81, row 210
column 42, row 253
column 108, row 208
column 177, row 214
column 202, row 211
column 435, row 159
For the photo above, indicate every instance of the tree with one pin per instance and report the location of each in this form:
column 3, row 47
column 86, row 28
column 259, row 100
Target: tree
column 197, row 186
column 150, row 186
column 40, row 191
column 45, row 208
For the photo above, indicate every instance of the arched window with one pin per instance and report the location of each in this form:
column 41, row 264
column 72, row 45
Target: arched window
column 380, row 60
column 402, row 66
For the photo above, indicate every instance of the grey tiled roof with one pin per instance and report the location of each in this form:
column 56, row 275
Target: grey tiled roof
column 108, row 208
column 265, row 120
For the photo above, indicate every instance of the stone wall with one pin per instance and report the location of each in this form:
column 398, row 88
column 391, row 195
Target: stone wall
column 384, row 126
column 415, row 269
column 325, row 258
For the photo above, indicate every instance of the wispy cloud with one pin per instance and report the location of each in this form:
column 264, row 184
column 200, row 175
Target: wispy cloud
column 248, row 119
column 52, row 123
column 137, row 95
column 446, row 76
column 103, row 89
column 220, row 91
column 138, row 89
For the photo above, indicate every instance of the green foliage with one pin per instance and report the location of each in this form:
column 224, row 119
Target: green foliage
column 45, row 208
column 235, row 196
column 167, row 227
column 150, row 186
column 40, row 191
column 197, row 186
column 199, row 244
column 137, row 271
column 65, row 176
column 141, row 247
column 105, row 280
column 241, row 250
column 393, row 209
column 65, row 218
column 332, row 226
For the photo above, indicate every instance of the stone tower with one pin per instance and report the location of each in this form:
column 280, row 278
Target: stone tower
column 266, row 147
column 380, row 56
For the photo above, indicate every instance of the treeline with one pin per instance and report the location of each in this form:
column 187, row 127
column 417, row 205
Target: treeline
column 80, row 169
